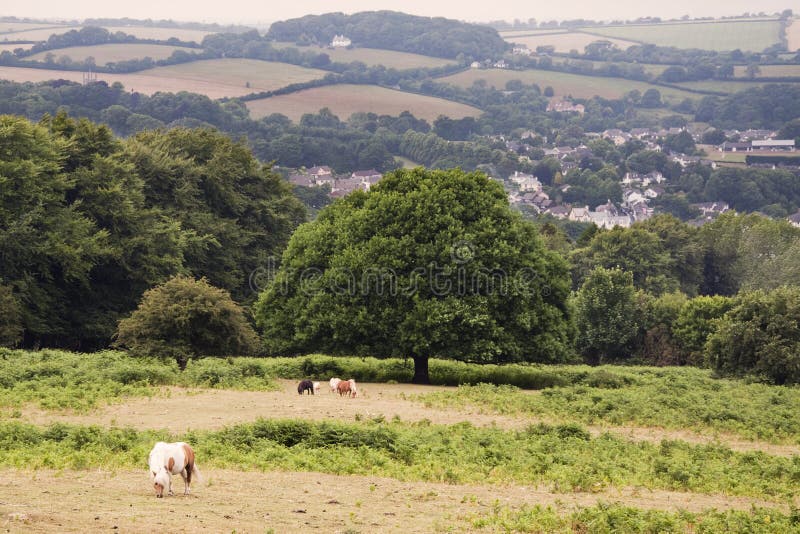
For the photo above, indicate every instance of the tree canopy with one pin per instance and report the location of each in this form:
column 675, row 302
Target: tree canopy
column 425, row 264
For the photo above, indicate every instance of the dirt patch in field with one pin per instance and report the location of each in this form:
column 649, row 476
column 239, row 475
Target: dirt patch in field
column 179, row 409
column 82, row 501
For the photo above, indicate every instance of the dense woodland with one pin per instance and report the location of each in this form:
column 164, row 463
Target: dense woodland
column 394, row 31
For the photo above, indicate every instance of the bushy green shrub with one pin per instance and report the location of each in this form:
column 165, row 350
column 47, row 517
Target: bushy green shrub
column 760, row 335
column 620, row 519
column 185, row 318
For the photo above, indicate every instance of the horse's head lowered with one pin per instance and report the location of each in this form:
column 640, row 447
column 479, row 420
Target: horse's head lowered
column 160, row 481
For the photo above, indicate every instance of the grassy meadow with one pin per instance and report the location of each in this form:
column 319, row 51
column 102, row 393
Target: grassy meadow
column 793, row 35
column 565, row 42
column 215, row 78
column 108, row 53
column 345, row 99
column 724, row 86
column 161, row 34
column 372, row 56
column 478, row 457
column 748, row 35
column 769, row 71
column 41, row 32
column 564, row 84
column 14, row 27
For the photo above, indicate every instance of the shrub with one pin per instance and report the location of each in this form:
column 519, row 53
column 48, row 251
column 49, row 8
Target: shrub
column 760, row 336
column 186, row 318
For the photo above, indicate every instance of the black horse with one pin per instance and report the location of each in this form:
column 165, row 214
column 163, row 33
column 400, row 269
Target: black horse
column 305, row 385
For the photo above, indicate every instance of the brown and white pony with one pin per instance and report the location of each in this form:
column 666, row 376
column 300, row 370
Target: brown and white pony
column 167, row 459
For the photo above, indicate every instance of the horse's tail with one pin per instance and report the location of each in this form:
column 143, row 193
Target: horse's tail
column 196, row 473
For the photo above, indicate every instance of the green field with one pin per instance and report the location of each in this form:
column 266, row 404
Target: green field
column 769, row 71
column 725, row 86
column 398, row 457
column 724, row 35
column 564, row 84
column 565, row 42
column 649, row 68
column 344, row 100
column 109, row 53
column 373, row 56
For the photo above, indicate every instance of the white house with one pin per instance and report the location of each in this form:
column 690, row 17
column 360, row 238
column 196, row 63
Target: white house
column 340, row 41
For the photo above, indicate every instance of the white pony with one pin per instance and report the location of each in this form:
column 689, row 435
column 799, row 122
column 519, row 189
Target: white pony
column 353, row 388
column 167, row 459
column 334, row 382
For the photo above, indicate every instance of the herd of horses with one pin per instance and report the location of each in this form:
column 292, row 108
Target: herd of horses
column 167, row 459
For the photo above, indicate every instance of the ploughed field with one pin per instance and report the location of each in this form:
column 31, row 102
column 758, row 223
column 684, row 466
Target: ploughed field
column 579, row 449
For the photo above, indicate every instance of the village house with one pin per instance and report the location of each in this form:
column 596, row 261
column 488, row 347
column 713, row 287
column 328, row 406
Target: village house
column 579, row 214
column 559, row 212
column 710, row 210
column 564, row 106
column 794, row 219
column 617, row 136
column 340, row 41
column 729, row 146
column 774, row 144
column 368, row 178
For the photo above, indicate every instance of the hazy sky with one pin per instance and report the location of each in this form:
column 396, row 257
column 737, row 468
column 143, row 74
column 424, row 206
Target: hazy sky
column 476, row 10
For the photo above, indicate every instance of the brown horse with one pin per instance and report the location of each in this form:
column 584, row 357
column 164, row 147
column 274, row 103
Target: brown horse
column 344, row 387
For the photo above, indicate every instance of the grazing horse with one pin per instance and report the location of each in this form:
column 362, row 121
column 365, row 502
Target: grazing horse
column 305, row 385
column 334, row 382
column 167, row 459
column 344, row 387
column 353, row 388
column 316, row 387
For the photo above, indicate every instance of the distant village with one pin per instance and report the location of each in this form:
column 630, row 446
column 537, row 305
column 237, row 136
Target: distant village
column 638, row 190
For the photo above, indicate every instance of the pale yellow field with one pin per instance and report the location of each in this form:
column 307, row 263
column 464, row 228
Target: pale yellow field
column 563, row 83
column 373, row 56
column 538, row 31
column 41, row 34
column 344, row 100
column 12, row 47
column 9, row 27
column 162, row 34
column 565, row 42
column 769, row 71
column 214, row 78
column 793, row 35
column 109, row 53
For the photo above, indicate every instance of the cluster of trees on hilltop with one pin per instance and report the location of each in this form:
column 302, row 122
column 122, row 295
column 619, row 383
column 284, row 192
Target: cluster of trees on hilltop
column 391, row 30
column 88, row 222
column 768, row 106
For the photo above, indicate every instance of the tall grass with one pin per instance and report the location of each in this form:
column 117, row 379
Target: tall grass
column 564, row 457
column 618, row 519
column 56, row 379
column 671, row 398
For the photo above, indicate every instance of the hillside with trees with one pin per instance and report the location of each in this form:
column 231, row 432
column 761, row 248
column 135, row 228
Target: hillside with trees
column 438, row 37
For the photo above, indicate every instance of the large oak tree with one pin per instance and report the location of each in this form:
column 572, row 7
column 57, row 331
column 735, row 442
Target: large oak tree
column 425, row 264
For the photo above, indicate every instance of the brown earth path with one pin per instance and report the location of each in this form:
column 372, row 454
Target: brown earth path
column 232, row 501
column 179, row 409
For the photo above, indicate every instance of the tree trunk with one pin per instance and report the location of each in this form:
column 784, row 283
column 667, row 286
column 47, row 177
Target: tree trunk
column 421, row 370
